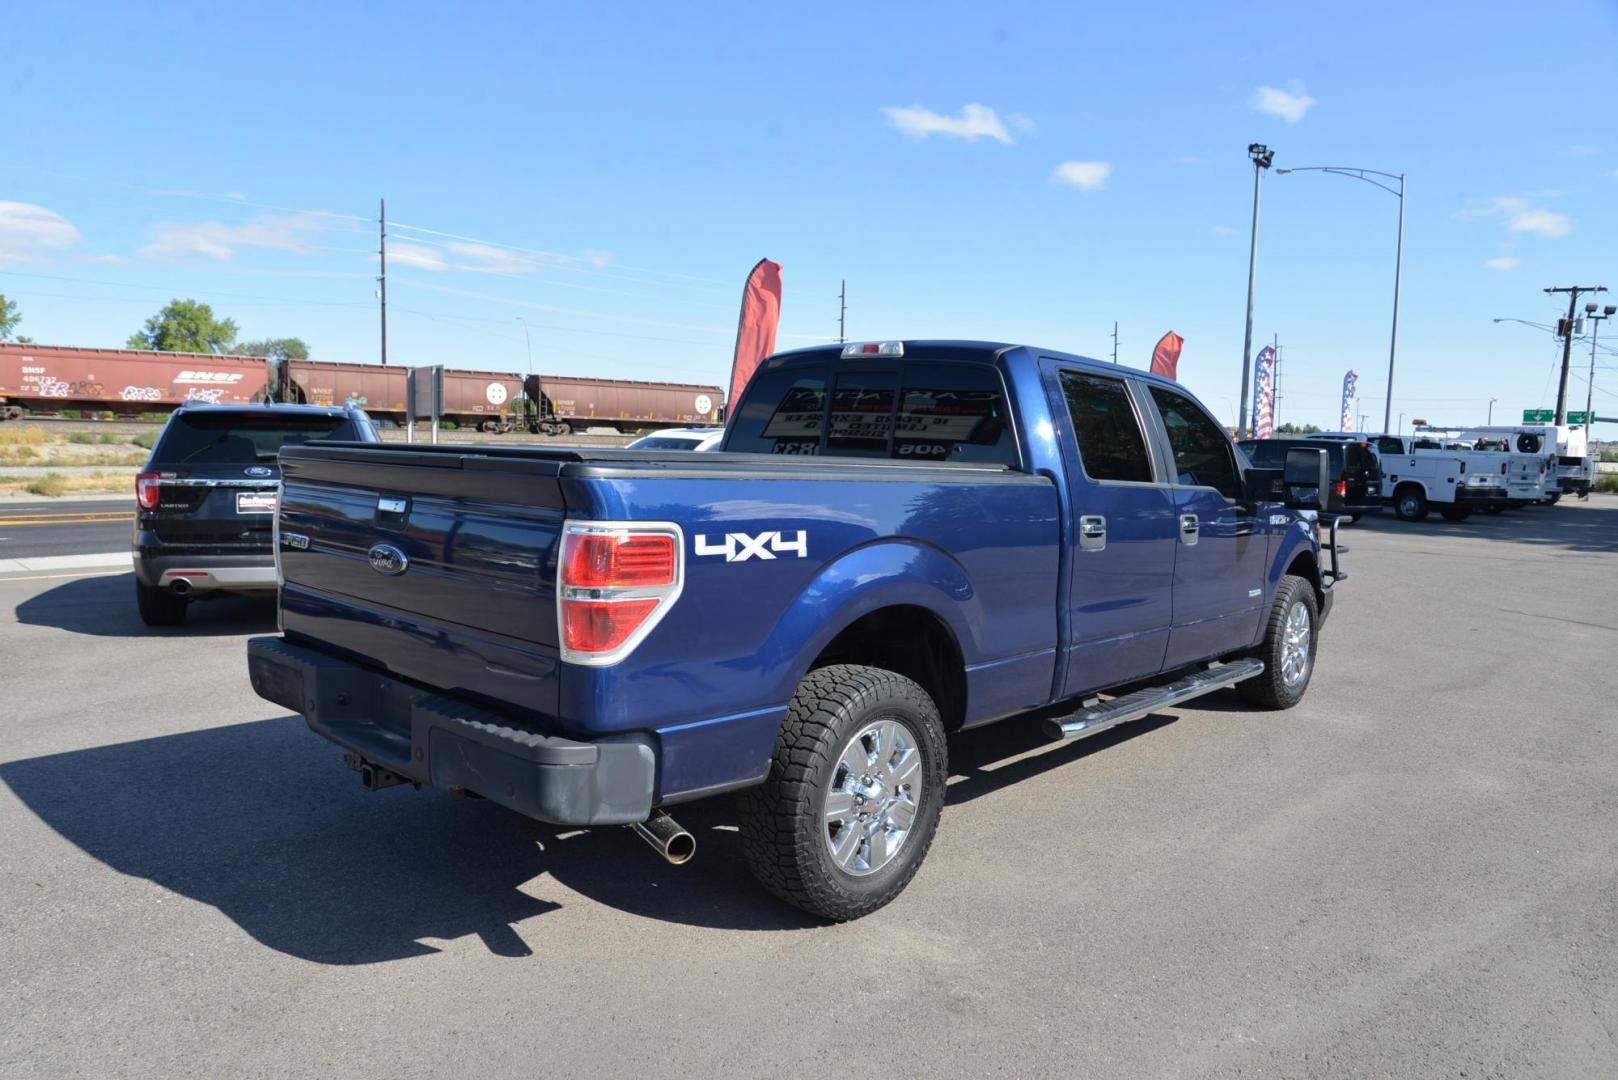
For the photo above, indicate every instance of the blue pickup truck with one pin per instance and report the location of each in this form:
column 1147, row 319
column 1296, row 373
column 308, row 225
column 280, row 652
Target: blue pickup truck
column 897, row 541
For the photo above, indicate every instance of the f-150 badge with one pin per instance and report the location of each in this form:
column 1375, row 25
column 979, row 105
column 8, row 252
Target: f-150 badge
column 739, row 547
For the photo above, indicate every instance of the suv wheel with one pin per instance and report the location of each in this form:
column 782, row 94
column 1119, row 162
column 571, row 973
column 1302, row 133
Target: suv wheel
column 159, row 607
column 853, row 796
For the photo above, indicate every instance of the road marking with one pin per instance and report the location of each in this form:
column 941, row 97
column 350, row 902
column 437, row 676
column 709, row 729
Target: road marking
column 70, row 520
column 58, row 577
column 66, row 562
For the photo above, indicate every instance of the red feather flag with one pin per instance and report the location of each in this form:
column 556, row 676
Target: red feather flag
column 755, row 330
column 1166, row 357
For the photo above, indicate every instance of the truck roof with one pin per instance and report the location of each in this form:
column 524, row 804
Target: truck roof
column 986, row 352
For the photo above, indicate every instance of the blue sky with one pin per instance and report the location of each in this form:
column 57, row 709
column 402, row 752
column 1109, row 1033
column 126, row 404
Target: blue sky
column 1012, row 172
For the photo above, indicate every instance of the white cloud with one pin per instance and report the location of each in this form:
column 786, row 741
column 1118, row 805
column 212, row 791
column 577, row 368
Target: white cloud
column 1540, row 222
column 1521, row 215
column 422, row 258
column 974, row 122
column 1220, row 230
column 1503, row 262
column 1289, row 105
column 1085, row 175
column 29, row 232
column 215, row 240
column 1584, row 150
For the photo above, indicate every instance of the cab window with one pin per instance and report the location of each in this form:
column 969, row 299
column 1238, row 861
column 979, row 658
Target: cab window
column 1202, row 452
column 1111, row 446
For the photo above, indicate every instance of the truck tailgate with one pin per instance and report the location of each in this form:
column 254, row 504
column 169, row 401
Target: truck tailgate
column 470, row 607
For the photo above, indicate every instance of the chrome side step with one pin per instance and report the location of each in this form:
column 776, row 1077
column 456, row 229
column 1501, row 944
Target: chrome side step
column 1094, row 718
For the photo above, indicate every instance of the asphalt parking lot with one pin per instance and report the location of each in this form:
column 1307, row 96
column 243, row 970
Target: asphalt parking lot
column 1414, row 873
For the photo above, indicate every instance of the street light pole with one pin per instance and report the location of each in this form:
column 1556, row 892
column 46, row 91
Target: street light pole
column 1398, row 253
column 1590, row 388
column 1491, row 409
column 1262, row 157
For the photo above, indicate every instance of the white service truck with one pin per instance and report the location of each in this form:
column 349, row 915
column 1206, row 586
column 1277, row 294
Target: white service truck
column 1563, row 451
column 1419, row 475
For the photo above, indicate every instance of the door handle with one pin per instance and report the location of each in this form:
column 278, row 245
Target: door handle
column 1092, row 532
column 1189, row 528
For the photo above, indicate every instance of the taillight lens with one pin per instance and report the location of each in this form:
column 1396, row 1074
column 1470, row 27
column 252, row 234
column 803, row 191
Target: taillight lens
column 615, row 582
column 1342, row 488
column 146, row 485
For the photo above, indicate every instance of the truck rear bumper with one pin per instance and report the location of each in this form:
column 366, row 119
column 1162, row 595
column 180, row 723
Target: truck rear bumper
column 439, row 740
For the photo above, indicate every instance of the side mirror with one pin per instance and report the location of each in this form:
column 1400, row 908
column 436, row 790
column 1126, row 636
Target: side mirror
column 1307, row 478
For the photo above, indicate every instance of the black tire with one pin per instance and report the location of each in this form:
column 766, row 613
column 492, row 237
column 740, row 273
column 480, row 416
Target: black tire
column 1410, row 503
column 1493, row 509
column 786, row 834
column 1552, row 500
column 159, row 607
column 1455, row 513
column 1354, row 519
column 1271, row 690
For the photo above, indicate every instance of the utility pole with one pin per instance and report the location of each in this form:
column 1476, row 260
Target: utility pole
column 1590, row 388
column 842, row 313
column 1115, row 341
column 382, row 255
column 1573, row 293
column 1262, row 157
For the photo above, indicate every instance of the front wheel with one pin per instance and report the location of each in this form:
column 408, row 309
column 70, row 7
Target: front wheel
column 1410, row 504
column 1288, row 650
column 853, row 796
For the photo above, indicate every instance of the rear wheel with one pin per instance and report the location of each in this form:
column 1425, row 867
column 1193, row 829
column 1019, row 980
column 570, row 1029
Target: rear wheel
column 159, row 607
column 1455, row 513
column 1494, row 509
column 1288, row 650
column 853, row 796
column 1410, row 503
column 1554, row 499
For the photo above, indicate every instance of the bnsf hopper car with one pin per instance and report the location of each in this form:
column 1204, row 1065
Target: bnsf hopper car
column 49, row 378
column 124, row 381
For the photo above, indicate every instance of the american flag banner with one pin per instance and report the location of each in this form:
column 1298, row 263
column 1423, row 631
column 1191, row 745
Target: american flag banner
column 1350, row 381
column 1264, row 394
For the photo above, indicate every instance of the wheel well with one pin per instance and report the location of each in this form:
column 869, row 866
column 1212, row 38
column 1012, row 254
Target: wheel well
column 1406, row 485
column 913, row 642
column 1303, row 565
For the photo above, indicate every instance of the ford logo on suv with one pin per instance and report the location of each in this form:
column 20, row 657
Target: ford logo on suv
column 259, row 470
column 387, row 559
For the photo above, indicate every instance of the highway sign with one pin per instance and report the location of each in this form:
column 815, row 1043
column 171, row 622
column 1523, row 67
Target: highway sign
column 1538, row 416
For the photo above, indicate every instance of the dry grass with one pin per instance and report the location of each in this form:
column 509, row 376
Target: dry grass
column 11, row 435
column 55, row 485
column 28, row 455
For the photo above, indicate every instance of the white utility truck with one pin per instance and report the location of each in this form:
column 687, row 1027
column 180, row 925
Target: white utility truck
column 1419, row 475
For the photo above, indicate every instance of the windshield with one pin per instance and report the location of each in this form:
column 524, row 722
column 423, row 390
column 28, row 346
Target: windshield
column 667, row 442
column 228, row 438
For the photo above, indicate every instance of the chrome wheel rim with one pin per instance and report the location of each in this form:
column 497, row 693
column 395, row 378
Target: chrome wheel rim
column 870, row 806
column 1295, row 645
column 1408, row 505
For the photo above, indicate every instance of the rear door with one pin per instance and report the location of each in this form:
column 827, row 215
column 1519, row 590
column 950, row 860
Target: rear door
column 1222, row 545
column 1121, row 531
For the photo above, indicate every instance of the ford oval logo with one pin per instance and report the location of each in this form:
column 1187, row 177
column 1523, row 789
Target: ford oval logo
column 259, row 470
column 387, row 559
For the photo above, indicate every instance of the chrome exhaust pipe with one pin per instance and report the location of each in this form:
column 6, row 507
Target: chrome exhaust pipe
column 667, row 837
column 180, row 587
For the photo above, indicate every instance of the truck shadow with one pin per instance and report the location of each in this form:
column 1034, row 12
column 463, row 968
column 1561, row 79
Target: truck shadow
column 104, row 606
column 262, row 821
column 1591, row 526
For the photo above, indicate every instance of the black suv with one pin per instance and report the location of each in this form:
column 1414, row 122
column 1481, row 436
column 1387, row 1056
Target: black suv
column 205, row 502
column 1356, row 474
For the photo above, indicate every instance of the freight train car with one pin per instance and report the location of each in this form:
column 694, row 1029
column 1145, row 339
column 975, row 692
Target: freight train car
column 625, row 404
column 126, row 382
column 486, row 400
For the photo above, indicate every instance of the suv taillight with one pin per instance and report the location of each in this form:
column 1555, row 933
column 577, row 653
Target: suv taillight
column 616, row 580
column 146, row 485
column 1342, row 488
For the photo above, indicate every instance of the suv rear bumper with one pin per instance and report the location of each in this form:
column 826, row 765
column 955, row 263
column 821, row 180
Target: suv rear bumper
column 247, row 572
column 439, row 740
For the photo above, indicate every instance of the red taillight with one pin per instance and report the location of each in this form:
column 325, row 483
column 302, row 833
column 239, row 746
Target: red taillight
column 1342, row 488
column 596, row 560
column 616, row 581
column 600, row 626
column 146, row 485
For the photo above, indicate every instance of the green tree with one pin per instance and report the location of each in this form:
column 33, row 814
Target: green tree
column 9, row 318
column 1296, row 429
column 276, row 348
column 185, row 326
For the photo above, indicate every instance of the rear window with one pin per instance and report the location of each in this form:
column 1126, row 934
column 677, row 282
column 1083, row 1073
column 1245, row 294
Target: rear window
column 666, row 442
column 944, row 412
column 1272, row 453
column 227, row 438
